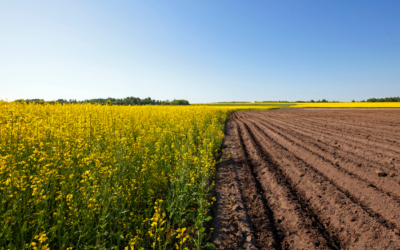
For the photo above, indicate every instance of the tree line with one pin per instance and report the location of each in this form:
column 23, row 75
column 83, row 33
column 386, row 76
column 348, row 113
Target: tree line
column 387, row 99
column 113, row 101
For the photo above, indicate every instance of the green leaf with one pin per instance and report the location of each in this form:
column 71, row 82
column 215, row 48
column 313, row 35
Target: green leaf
column 210, row 246
column 208, row 218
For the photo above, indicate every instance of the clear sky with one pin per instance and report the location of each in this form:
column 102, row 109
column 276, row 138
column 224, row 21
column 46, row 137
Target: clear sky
column 202, row 51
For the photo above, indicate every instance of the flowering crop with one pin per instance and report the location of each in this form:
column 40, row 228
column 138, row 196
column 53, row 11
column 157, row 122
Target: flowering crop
column 83, row 176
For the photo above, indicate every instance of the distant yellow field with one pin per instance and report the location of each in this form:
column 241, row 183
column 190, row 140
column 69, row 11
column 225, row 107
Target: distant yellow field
column 272, row 105
column 348, row 105
column 247, row 105
column 243, row 108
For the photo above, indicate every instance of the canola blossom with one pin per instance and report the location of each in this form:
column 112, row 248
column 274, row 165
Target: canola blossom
column 84, row 176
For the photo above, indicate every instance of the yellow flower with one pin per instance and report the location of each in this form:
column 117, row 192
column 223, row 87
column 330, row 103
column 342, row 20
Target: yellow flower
column 74, row 161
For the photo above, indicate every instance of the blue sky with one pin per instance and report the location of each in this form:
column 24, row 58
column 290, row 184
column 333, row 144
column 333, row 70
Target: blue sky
column 202, row 51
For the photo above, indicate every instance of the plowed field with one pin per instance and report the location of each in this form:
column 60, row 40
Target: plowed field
column 309, row 179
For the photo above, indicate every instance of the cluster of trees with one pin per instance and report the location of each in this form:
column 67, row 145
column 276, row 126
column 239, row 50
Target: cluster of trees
column 114, row 101
column 148, row 101
column 323, row 100
column 235, row 102
column 270, row 101
column 387, row 99
column 179, row 102
column 126, row 101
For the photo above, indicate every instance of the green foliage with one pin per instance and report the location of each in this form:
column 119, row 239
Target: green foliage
column 235, row 102
column 179, row 102
column 387, row 99
column 111, row 101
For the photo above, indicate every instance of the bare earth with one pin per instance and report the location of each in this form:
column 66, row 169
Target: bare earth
column 309, row 179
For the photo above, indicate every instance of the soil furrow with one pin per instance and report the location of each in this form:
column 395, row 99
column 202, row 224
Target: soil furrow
column 232, row 227
column 379, row 154
column 372, row 125
column 309, row 179
column 341, row 149
column 376, row 203
column 350, row 166
column 295, row 220
column 262, row 218
column 365, row 138
column 372, row 134
column 341, row 215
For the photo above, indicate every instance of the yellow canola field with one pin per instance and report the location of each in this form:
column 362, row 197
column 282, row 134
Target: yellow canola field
column 82, row 176
column 233, row 108
column 349, row 105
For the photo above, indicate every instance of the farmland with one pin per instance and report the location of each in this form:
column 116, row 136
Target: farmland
column 84, row 176
column 309, row 179
column 90, row 176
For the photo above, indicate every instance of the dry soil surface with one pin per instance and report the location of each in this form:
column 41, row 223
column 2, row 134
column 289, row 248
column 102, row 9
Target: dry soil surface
column 309, row 179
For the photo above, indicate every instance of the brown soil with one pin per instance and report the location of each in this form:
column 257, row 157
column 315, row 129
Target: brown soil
column 309, row 179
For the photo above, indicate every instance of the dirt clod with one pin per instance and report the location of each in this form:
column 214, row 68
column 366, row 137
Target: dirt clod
column 381, row 173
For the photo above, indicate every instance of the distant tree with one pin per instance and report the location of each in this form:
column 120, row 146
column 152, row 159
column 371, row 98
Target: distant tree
column 312, row 100
column 179, row 102
column 39, row 101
